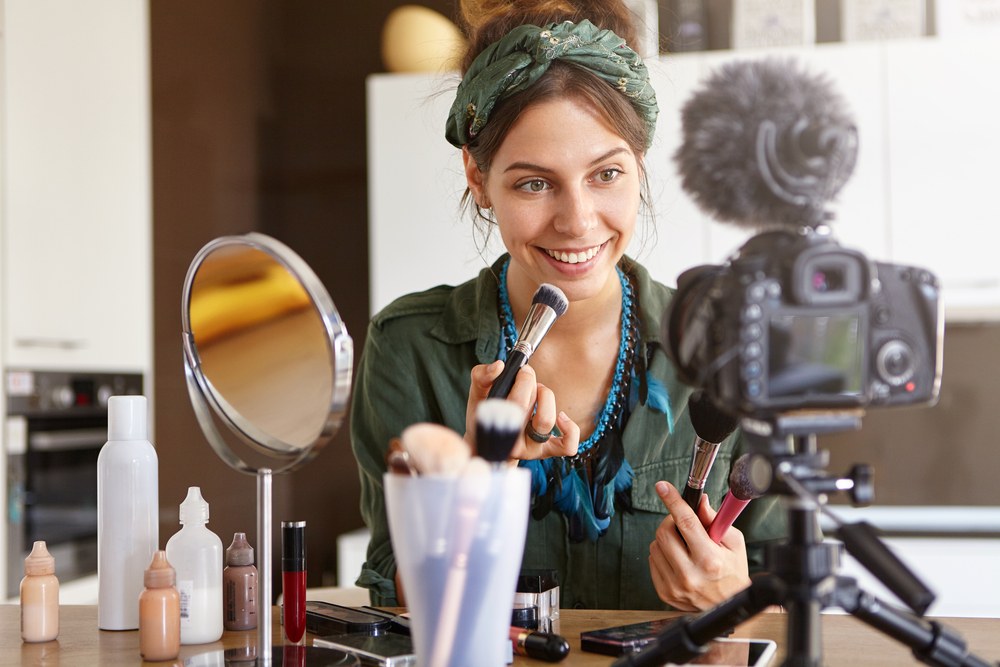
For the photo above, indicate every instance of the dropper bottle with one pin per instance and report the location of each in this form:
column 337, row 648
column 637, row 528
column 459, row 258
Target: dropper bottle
column 159, row 612
column 39, row 596
column 239, row 585
column 196, row 554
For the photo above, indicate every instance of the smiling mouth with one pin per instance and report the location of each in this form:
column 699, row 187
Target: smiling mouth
column 574, row 257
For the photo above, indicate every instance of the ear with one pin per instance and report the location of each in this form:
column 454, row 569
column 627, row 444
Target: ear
column 475, row 178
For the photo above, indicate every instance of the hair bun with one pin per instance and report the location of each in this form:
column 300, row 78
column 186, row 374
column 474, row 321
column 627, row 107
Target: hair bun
column 476, row 13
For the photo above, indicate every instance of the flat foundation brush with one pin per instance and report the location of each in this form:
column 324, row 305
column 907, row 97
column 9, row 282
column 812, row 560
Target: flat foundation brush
column 547, row 305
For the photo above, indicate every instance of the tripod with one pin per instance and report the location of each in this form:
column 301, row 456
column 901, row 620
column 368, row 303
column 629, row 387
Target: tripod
column 802, row 570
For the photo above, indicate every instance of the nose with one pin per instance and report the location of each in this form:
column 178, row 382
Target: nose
column 577, row 214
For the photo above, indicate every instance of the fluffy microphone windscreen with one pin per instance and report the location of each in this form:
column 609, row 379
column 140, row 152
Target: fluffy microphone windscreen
column 766, row 144
column 710, row 423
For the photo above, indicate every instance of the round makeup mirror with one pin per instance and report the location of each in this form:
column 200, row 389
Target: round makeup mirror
column 266, row 355
column 265, row 352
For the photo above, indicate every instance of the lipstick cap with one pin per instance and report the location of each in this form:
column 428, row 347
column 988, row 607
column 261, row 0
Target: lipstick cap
column 293, row 546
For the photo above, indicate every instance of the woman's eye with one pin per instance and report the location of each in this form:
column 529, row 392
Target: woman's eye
column 535, row 185
column 608, row 175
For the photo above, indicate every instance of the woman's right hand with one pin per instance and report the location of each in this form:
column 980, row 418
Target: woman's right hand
column 539, row 403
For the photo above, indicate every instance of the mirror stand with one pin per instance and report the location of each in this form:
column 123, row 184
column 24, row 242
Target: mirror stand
column 265, row 621
column 266, row 353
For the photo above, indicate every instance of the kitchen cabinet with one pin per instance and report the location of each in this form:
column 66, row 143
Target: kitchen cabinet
column 920, row 193
column 75, row 201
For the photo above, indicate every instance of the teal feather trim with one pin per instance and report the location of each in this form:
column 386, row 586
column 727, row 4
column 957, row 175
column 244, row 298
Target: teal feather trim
column 658, row 399
column 575, row 503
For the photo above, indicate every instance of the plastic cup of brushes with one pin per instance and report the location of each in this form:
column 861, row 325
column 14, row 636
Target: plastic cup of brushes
column 458, row 541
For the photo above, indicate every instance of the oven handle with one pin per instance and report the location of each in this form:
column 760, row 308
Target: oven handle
column 61, row 441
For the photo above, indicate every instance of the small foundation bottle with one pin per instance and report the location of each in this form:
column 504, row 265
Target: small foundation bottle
column 159, row 612
column 239, row 586
column 39, row 596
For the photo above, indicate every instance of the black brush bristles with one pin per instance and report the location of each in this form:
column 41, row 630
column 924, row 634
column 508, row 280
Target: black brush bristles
column 551, row 296
column 498, row 425
column 710, row 423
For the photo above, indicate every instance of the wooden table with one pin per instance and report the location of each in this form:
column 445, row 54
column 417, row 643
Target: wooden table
column 846, row 641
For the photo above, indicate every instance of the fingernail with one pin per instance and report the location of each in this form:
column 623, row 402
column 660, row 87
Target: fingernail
column 662, row 488
column 563, row 417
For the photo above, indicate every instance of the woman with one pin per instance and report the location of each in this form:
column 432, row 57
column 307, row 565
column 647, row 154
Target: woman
column 553, row 117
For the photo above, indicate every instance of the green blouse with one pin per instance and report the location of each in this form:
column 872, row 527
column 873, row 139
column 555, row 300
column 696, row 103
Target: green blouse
column 415, row 368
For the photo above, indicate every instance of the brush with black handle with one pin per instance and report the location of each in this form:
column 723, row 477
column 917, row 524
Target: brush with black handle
column 547, row 305
column 711, row 427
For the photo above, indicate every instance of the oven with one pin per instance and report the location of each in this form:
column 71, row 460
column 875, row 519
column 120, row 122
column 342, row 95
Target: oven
column 55, row 426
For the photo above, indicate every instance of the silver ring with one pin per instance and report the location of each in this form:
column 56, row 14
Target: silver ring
column 540, row 438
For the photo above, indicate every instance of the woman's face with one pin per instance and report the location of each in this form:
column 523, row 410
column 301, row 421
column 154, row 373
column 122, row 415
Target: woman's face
column 565, row 192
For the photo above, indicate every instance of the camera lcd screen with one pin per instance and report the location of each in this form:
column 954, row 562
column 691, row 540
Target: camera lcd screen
column 815, row 355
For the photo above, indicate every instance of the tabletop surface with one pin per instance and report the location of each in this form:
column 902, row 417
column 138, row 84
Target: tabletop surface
column 846, row 640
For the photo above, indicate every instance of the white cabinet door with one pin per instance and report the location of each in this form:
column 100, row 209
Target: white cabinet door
column 944, row 101
column 76, row 202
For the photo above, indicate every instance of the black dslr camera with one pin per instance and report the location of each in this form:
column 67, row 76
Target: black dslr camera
column 795, row 321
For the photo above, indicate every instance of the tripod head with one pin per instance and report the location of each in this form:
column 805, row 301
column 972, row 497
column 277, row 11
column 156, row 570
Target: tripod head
column 788, row 442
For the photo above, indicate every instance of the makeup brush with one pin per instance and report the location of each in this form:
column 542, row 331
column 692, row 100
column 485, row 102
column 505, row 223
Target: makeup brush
column 548, row 304
column 474, row 486
column 498, row 425
column 749, row 477
column 434, row 449
column 711, row 427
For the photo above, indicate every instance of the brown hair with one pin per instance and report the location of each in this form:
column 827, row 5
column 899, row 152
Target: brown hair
column 486, row 21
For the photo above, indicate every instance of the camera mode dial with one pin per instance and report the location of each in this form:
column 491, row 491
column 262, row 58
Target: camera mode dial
column 895, row 362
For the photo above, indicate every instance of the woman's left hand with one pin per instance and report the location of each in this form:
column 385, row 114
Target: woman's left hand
column 689, row 570
column 539, row 403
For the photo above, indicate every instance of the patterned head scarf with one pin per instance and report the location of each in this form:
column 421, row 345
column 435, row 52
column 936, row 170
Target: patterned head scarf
column 524, row 54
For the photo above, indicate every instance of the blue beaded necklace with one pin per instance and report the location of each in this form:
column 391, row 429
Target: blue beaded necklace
column 587, row 486
column 613, row 403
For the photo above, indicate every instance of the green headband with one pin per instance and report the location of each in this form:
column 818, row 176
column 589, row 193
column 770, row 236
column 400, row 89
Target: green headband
column 524, row 54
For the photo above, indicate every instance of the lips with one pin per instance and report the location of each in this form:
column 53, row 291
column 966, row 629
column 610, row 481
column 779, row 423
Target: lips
column 574, row 256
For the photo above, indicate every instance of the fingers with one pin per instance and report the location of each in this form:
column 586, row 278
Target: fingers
column 539, row 403
column 688, row 523
column 483, row 376
column 565, row 444
column 688, row 570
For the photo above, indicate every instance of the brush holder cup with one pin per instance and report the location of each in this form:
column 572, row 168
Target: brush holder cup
column 458, row 543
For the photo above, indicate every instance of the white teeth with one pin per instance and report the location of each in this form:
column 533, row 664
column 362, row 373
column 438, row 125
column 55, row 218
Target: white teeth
column 574, row 257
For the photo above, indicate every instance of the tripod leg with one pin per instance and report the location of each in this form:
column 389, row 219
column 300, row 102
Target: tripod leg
column 685, row 638
column 932, row 643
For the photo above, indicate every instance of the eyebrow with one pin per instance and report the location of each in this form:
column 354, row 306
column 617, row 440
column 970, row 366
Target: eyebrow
column 530, row 166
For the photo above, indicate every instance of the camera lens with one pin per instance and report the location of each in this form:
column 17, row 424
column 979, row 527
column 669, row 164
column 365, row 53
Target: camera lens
column 895, row 362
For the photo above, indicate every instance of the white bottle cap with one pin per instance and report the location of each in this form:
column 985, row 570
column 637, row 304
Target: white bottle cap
column 194, row 509
column 127, row 418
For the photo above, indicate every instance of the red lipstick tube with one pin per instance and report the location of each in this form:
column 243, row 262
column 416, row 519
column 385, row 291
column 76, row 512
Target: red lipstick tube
column 293, row 578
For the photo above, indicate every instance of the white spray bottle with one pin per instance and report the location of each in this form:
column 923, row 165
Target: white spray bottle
column 128, row 522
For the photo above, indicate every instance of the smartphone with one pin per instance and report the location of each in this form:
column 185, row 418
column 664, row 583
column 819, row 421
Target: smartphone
column 723, row 652
column 623, row 639
column 385, row 650
column 326, row 618
column 737, row 652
